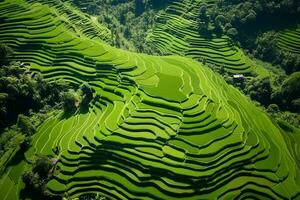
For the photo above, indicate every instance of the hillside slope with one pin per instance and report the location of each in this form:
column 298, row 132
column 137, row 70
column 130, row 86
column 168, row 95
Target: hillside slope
column 289, row 40
column 159, row 128
column 176, row 32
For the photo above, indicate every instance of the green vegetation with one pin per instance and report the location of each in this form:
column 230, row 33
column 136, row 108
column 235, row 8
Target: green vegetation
column 76, row 100
column 267, row 49
column 125, row 125
column 183, row 29
column 36, row 179
column 23, row 92
column 268, row 30
column 290, row 91
column 197, row 29
column 91, row 196
column 279, row 99
column 71, row 100
column 129, row 21
column 26, row 101
column 5, row 53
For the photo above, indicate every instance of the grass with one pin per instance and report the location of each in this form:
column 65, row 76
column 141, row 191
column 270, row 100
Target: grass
column 163, row 128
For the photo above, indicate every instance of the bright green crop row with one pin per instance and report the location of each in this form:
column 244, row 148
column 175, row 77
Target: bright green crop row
column 163, row 127
column 289, row 40
column 175, row 32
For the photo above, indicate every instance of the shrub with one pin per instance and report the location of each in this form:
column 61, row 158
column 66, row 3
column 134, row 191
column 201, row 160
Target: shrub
column 91, row 196
column 291, row 87
column 42, row 166
column 6, row 136
column 36, row 180
column 232, row 32
column 260, row 90
column 296, row 105
column 5, row 53
column 25, row 125
column 71, row 101
column 273, row 108
column 87, row 94
column 31, row 180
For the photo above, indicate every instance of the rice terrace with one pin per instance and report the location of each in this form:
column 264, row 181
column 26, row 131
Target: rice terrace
column 149, row 99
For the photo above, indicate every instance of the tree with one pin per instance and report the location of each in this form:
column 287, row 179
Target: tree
column 260, row 90
column 290, row 62
column 273, row 108
column 295, row 104
column 6, row 137
column 42, row 166
column 220, row 19
column 266, row 46
column 87, row 94
column 291, row 88
column 227, row 26
column 251, row 16
column 203, row 19
column 3, row 109
column 139, row 6
column 71, row 101
column 91, row 196
column 5, row 53
column 232, row 32
column 202, row 10
column 30, row 179
column 25, row 125
column 36, row 180
column 203, row 28
column 158, row 3
column 21, row 92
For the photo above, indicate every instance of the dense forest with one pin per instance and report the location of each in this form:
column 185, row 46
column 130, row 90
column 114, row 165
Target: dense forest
column 175, row 69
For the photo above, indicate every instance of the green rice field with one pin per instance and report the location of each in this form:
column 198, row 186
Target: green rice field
column 161, row 127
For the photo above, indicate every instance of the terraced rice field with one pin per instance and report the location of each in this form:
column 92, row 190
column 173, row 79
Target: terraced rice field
column 160, row 127
column 176, row 32
column 289, row 40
